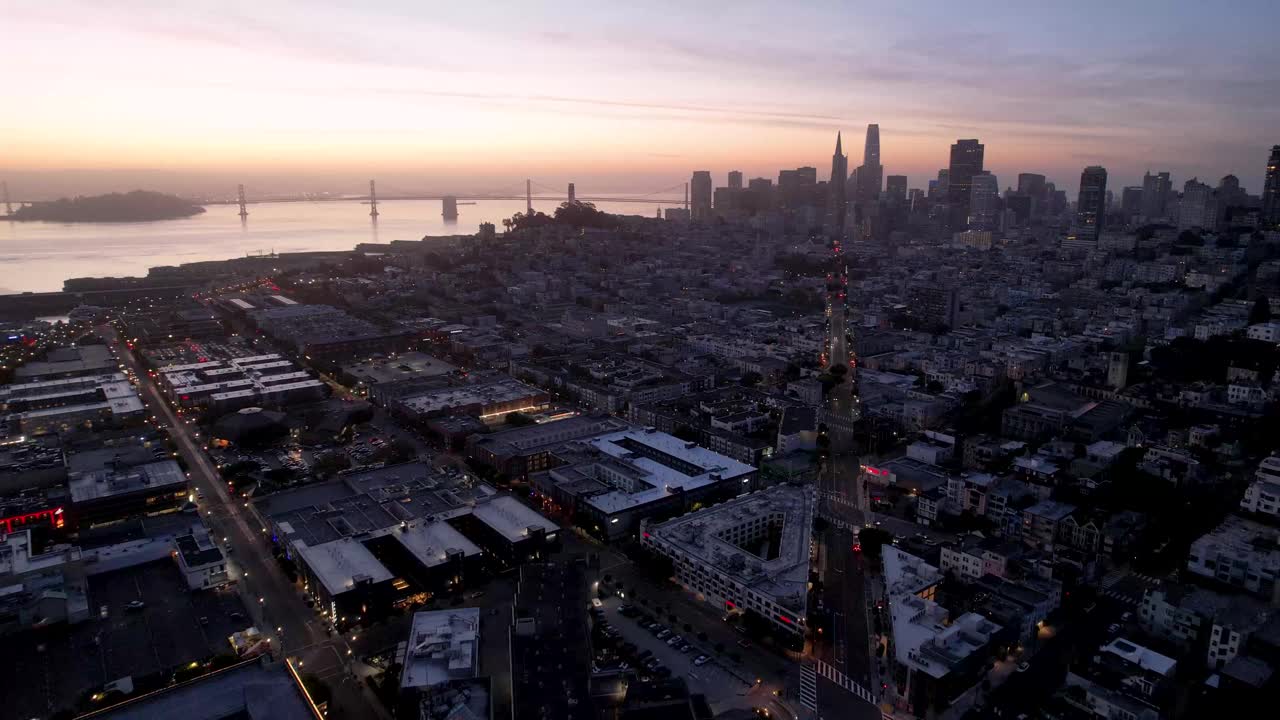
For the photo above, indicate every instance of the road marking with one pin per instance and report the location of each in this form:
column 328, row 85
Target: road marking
column 834, row 675
column 809, row 687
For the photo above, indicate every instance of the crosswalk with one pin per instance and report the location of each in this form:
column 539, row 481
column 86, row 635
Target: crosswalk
column 831, row 673
column 1126, row 587
column 809, row 687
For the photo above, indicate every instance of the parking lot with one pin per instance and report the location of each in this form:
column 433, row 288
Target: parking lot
column 45, row 671
column 722, row 688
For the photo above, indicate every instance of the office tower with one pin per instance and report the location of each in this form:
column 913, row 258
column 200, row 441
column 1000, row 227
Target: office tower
column 1031, row 185
column 836, row 187
column 1131, row 202
column 1091, row 211
column 758, row 196
column 1020, row 205
column 795, row 187
column 1199, row 207
column 1057, row 199
column 1229, row 192
column 915, row 197
column 966, row 161
column 700, row 189
column 735, row 179
column 984, row 197
column 895, row 187
column 942, row 186
column 870, row 172
column 1271, row 189
column 1155, row 195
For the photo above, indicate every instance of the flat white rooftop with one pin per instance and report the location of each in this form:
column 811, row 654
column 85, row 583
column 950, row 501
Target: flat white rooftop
column 434, row 542
column 511, row 518
column 666, row 463
column 340, row 564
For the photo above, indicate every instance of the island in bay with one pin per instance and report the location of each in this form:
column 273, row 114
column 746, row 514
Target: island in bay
column 136, row 206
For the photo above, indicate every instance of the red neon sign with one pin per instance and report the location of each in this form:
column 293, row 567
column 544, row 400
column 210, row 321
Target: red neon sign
column 786, row 619
column 54, row 516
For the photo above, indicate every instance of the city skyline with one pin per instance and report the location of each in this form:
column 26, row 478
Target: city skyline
column 338, row 95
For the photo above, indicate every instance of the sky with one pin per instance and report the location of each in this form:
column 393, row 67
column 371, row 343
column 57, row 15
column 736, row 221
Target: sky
column 289, row 96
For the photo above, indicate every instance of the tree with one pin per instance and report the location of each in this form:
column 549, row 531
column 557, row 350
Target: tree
column 1260, row 312
column 330, row 463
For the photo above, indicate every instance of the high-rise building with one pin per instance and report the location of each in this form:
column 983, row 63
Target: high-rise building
column 735, row 179
column 1229, row 192
column 1155, row 195
column 871, row 172
column 1199, row 207
column 1091, row 209
column 1131, row 202
column 984, row 197
column 1031, row 185
column 966, row 161
column 836, row 203
column 1271, row 189
column 701, row 192
column 1118, row 370
column 895, row 187
column 941, row 188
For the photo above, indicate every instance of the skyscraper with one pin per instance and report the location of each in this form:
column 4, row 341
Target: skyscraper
column 735, row 179
column 870, row 173
column 1091, row 210
column 895, row 187
column 1155, row 195
column 941, row 188
column 1271, row 189
column 966, row 161
column 700, row 189
column 837, row 202
column 1131, row 202
column 983, row 201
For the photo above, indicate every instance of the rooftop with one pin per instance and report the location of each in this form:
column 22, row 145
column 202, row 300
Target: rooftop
column 342, row 564
column 511, row 518
column 705, row 536
column 443, row 645
column 252, row 690
column 659, row 465
column 1140, row 656
column 109, row 482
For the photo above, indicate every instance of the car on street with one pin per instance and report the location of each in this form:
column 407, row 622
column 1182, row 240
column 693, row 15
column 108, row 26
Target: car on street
column 104, row 612
column 135, row 605
column 1024, row 666
column 1113, row 628
column 701, row 660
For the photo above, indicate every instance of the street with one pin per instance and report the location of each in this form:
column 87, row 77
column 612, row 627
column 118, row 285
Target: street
column 275, row 604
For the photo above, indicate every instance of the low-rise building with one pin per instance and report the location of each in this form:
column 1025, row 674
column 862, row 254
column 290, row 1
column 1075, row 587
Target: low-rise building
column 1239, row 552
column 38, row 589
column 112, row 493
column 611, row 482
column 200, row 560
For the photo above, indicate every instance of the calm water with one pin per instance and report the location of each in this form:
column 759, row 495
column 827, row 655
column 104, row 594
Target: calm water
column 38, row 256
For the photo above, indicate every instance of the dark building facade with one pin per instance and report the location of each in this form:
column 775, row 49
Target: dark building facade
column 966, row 161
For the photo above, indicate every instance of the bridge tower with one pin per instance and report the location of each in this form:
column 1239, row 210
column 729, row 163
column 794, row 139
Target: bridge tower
column 244, row 211
column 686, row 197
column 373, row 201
column 4, row 190
column 528, row 197
column 573, row 197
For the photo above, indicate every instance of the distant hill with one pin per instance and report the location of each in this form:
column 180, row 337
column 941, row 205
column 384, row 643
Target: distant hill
column 136, row 206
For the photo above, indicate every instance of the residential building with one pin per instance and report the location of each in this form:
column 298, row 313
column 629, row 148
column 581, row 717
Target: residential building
column 749, row 554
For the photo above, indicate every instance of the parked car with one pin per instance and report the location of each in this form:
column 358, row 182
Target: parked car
column 701, row 660
column 1024, row 666
column 104, row 612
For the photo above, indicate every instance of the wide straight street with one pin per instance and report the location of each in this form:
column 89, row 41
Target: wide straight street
column 276, row 606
